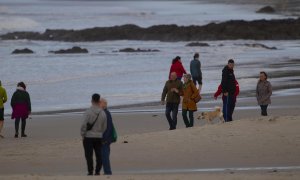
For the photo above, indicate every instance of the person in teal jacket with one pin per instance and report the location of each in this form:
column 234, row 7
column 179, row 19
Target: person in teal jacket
column 3, row 99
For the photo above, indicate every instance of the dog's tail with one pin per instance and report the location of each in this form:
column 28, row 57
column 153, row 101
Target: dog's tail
column 218, row 108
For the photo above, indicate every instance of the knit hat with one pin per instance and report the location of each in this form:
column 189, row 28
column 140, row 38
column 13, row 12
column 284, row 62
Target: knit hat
column 188, row 76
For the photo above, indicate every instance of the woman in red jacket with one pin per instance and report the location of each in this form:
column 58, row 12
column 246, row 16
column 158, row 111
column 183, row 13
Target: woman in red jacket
column 177, row 67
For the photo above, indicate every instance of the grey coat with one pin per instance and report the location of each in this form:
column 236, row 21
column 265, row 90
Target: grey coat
column 100, row 125
column 263, row 92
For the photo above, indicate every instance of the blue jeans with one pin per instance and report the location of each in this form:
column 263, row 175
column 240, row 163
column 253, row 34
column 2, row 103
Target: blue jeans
column 105, row 153
column 228, row 107
column 172, row 107
column 264, row 110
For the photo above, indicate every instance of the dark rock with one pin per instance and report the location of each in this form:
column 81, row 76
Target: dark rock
column 197, row 44
column 125, row 142
column 22, row 51
column 257, row 45
column 73, row 50
column 131, row 50
column 266, row 9
column 282, row 29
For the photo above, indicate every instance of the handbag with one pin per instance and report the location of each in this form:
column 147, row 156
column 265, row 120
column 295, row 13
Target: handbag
column 89, row 126
column 114, row 134
column 198, row 98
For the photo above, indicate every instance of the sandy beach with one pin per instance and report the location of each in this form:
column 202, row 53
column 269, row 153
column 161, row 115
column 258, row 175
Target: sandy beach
column 54, row 150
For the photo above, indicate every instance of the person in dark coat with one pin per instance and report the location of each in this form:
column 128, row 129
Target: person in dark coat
column 263, row 93
column 107, row 139
column 195, row 68
column 21, row 106
column 228, row 84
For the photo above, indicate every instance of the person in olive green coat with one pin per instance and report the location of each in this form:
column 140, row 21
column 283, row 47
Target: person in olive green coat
column 3, row 99
column 172, row 90
column 190, row 92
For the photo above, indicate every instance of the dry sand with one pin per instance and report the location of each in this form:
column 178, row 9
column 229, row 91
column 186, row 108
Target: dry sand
column 53, row 149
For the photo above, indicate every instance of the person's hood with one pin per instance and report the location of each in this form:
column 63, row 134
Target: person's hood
column 226, row 68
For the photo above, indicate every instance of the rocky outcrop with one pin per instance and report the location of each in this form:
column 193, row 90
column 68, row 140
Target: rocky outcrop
column 257, row 45
column 22, row 51
column 283, row 29
column 200, row 44
column 73, row 50
column 131, row 50
column 266, row 9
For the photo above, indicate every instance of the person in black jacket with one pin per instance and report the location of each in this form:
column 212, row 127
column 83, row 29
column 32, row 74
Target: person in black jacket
column 107, row 139
column 228, row 90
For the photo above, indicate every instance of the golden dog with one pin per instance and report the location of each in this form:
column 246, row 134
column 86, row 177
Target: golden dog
column 211, row 115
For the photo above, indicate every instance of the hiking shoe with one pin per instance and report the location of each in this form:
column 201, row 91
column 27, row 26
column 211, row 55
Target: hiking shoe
column 24, row 135
column 16, row 135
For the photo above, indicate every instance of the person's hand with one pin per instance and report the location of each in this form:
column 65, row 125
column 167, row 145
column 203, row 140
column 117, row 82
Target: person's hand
column 175, row 90
column 225, row 94
column 162, row 102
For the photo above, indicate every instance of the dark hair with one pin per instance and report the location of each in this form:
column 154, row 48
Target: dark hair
column 22, row 84
column 177, row 58
column 230, row 61
column 196, row 55
column 263, row 72
column 96, row 98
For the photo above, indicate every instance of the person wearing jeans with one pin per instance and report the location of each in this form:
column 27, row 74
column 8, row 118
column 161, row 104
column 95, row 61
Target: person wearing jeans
column 107, row 139
column 263, row 93
column 172, row 90
column 190, row 92
column 228, row 84
column 92, row 136
column 21, row 106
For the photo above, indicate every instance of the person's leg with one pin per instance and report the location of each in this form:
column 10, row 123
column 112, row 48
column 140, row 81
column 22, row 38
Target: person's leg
column 23, row 127
column 1, row 121
column 194, row 80
column 17, row 122
column 105, row 159
column 88, row 151
column 168, row 114
column 264, row 110
column 97, row 146
column 225, row 108
column 185, row 118
column 191, row 116
column 231, row 106
column 174, row 114
column 200, row 83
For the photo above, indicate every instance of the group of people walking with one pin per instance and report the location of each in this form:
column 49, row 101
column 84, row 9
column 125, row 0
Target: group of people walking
column 21, row 108
column 229, row 88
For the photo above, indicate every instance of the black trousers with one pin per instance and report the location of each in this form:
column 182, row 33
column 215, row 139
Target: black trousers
column 264, row 110
column 17, row 124
column 188, row 122
column 92, row 145
column 172, row 120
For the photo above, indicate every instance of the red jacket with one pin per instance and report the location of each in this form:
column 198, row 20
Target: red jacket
column 178, row 68
column 237, row 90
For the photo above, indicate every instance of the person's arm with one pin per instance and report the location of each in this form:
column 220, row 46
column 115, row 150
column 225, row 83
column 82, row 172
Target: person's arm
column 224, row 82
column 191, row 68
column 4, row 96
column 269, row 92
column 28, row 102
column 182, row 69
column 104, row 122
column 83, row 130
column 13, row 100
column 237, row 89
column 195, row 91
column 164, row 93
column 218, row 92
column 180, row 89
